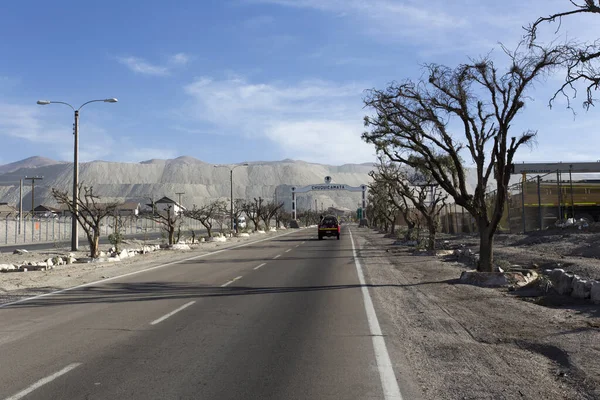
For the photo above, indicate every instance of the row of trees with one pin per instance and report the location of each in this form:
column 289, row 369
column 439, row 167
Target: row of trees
column 428, row 132
column 92, row 212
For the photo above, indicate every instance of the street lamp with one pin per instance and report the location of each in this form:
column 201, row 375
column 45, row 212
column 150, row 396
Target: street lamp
column 231, row 188
column 74, row 224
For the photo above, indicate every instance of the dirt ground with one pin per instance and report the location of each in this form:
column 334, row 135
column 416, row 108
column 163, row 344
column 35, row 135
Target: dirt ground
column 453, row 341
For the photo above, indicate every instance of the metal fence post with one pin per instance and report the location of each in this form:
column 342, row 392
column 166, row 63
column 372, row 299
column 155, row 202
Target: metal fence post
column 6, row 227
column 539, row 194
column 523, row 206
column 559, row 195
column 24, row 231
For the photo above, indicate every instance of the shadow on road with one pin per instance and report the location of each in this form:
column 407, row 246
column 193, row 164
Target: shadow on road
column 148, row 291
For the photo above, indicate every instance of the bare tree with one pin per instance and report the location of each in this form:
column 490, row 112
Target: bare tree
column 254, row 211
column 168, row 219
column 237, row 213
column 208, row 214
column 384, row 209
column 419, row 188
column 581, row 60
column 90, row 213
column 270, row 209
column 412, row 126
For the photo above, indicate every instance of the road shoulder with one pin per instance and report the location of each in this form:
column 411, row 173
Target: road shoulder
column 460, row 341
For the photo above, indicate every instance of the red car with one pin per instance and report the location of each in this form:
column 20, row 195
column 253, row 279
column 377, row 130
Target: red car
column 329, row 226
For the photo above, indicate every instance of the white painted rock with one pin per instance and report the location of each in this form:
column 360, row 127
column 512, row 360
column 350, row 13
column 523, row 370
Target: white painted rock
column 180, row 246
column 595, row 292
column 20, row 251
column 113, row 259
column 7, row 267
column 102, row 254
column 243, row 234
column 282, row 228
column 49, row 262
column 272, row 229
column 123, row 254
column 565, row 284
column 71, row 260
column 218, row 239
column 581, row 288
column 259, row 231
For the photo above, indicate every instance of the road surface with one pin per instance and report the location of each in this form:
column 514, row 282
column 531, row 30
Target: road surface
column 285, row 318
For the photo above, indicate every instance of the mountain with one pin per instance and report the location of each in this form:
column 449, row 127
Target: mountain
column 31, row 162
column 199, row 182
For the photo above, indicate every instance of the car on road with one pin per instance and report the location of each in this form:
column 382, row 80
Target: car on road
column 329, row 226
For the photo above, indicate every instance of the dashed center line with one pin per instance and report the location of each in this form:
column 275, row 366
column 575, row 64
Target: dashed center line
column 43, row 381
column 261, row 265
column 277, row 256
column 231, row 281
column 288, row 250
column 161, row 319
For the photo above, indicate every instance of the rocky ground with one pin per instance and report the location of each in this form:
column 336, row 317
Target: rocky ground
column 17, row 285
column 455, row 341
column 572, row 250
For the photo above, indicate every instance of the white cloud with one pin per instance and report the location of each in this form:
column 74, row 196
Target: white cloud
column 141, row 66
column 444, row 27
column 179, row 59
column 313, row 120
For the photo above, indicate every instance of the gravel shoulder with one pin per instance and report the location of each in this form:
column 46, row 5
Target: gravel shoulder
column 454, row 341
column 18, row 285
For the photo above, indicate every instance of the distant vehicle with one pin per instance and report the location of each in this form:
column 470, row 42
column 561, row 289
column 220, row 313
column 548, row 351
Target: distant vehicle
column 329, row 226
column 241, row 223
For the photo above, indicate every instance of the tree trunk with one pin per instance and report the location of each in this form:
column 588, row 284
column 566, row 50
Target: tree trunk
column 209, row 231
column 171, row 235
column 94, row 245
column 486, row 248
column 432, row 228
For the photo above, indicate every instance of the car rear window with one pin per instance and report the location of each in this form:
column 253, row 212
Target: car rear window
column 329, row 221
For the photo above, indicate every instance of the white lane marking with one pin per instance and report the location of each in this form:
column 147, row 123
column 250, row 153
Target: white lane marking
column 288, row 250
column 297, row 245
column 302, row 242
column 43, row 381
column 261, row 265
column 231, row 281
column 161, row 319
column 277, row 256
column 389, row 384
column 139, row 272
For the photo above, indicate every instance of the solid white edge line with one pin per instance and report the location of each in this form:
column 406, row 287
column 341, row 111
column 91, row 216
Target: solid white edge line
column 43, row 381
column 288, row 250
column 161, row 319
column 389, row 384
column 277, row 256
column 227, row 284
column 142, row 270
column 261, row 265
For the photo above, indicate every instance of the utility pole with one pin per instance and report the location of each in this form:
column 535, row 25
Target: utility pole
column 33, row 179
column 20, row 204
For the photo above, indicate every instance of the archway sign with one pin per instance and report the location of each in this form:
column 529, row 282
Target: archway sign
column 328, row 186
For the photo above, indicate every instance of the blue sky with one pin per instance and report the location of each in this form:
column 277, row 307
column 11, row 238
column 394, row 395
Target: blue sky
column 246, row 80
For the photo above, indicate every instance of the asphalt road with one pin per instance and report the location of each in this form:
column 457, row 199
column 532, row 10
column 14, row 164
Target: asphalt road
column 281, row 319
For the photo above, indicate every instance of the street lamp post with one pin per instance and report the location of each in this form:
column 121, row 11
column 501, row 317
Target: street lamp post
column 74, row 224
column 231, row 192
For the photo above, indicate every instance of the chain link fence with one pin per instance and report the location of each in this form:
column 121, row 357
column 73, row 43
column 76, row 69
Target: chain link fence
column 34, row 229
